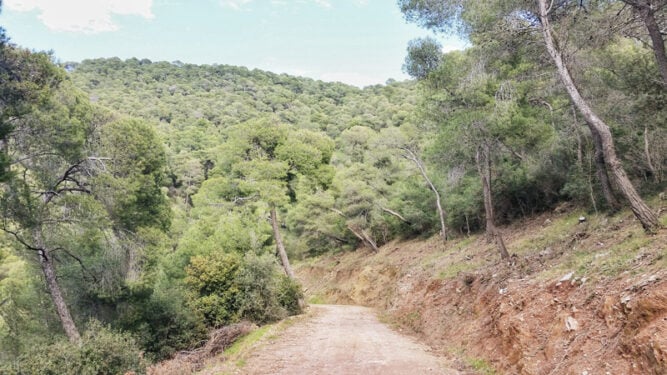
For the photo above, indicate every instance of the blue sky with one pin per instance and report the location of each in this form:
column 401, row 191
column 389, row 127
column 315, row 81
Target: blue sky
column 359, row 42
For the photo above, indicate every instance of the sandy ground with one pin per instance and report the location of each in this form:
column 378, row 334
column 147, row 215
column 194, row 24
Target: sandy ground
column 346, row 340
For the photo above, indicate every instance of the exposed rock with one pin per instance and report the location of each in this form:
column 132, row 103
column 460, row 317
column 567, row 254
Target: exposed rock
column 571, row 324
column 565, row 278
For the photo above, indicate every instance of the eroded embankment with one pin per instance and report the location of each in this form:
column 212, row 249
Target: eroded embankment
column 575, row 299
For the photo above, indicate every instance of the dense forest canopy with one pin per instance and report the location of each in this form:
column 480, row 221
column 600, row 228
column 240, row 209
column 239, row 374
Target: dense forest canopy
column 153, row 197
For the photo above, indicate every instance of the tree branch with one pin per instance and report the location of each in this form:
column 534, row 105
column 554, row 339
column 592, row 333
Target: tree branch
column 83, row 267
column 392, row 212
column 20, row 240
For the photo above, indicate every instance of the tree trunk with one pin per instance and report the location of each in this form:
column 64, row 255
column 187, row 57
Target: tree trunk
column 46, row 263
column 647, row 217
column 580, row 152
column 411, row 155
column 280, row 247
column 484, row 169
column 603, row 176
column 648, row 16
column 364, row 238
column 369, row 241
column 647, row 152
column 360, row 234
column 600, row 167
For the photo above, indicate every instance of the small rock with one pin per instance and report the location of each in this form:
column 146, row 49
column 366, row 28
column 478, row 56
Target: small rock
column 584, row 373
column 547, row 222
column 567, row 277
column 546, row 251
column 571, row 324
column 502, row 290
column 625, row 300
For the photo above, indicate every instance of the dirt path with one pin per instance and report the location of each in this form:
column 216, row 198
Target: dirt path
column 342, row 340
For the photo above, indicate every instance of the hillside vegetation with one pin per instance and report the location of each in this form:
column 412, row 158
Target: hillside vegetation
column 147, row 203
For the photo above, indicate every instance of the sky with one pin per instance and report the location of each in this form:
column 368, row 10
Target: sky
column 359, row 42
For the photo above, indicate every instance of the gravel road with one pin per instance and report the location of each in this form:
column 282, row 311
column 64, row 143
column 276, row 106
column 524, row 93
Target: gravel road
column 342, row 340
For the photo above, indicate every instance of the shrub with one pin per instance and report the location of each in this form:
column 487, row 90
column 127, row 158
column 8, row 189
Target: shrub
column 227, row 288
column 162, row 322
column 102, row 351
column 290, row 295
column 261, row 283
column 213, row 279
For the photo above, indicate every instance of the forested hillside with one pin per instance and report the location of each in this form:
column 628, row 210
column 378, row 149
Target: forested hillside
column 163, row 199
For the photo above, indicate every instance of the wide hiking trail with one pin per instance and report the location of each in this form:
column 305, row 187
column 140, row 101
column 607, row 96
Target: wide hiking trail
column 336, row 339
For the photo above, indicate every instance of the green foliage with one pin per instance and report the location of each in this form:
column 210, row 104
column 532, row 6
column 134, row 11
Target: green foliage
column 266, row 293
column 423, row 57
column 167, row 211
column 161, row 320
column 102, row 351
column 133, row 187
column 228, row 288
column 214, row 280
column 22, row 301
column 289, row 294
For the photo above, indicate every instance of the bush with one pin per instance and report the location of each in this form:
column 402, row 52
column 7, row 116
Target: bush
column 228, row 288
column 290, row 295
column 214, row 280
column 266, row 294
column 101, row 352
column 162, row 322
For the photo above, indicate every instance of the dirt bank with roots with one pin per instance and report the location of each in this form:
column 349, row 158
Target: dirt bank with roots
column 576, row 298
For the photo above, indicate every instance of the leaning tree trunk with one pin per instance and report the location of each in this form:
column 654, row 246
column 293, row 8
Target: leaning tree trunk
column 647, row 217
column 484, row 169
column 603, row 176
column 648, row 16
column 359, row 233
column 46, row 263
column 280, row 247
column 364, row 238
column 600, row 167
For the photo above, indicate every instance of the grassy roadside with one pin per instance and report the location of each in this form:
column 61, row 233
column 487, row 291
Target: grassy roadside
column 234, row 358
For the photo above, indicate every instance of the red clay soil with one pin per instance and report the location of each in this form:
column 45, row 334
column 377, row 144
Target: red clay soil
column 515, row 318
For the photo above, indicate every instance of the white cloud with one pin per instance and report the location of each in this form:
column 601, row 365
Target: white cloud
column 324, row 3
column 240, row 4
column 86, row 16
column 234, row 4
